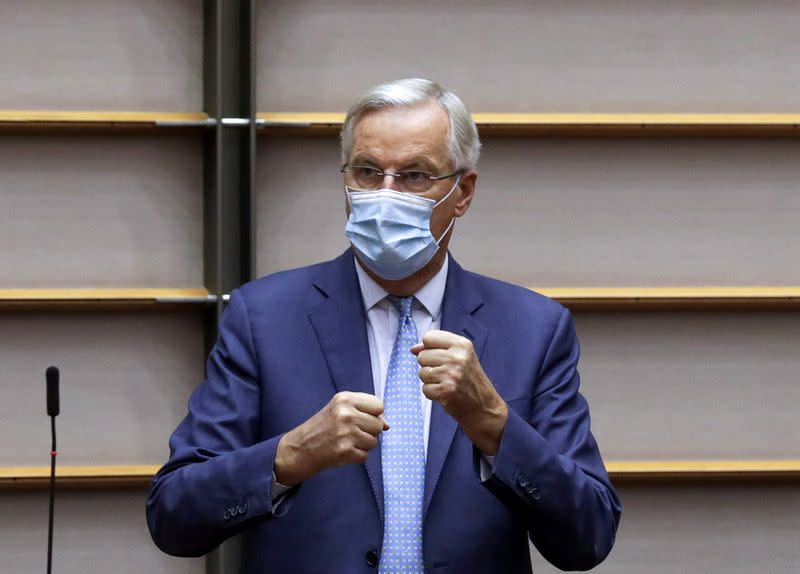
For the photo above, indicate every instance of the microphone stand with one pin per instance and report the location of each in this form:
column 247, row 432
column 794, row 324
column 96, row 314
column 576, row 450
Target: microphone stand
column 53, row 454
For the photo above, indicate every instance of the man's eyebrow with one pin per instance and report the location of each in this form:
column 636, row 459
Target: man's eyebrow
column 363, row 159
column 420, row 163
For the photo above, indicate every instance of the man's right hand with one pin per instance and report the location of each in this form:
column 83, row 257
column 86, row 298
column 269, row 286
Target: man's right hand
column 343, row 432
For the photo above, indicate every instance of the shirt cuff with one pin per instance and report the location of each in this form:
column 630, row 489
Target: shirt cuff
column 278, row 491
column 487, row 467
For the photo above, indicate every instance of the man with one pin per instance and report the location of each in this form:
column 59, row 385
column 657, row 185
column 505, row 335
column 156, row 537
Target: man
column 388, row 410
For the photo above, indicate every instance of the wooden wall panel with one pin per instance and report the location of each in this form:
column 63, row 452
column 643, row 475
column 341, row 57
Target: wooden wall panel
column 544, row 56
column 102, row 54
column 125, row 382
column 101, row 211
column 694, row 385
column 719, row 529
column 94, row 533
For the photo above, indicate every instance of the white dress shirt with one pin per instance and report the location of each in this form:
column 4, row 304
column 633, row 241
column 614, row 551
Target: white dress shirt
column 383, row 322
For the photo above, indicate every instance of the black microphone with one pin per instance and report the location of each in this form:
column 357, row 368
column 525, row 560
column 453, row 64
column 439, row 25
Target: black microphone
column 53, row 408
column 53, row 402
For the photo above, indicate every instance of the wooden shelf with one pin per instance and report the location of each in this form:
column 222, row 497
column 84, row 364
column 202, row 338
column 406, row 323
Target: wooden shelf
column 579, row 298
column 32, row 299
column 570, row 124
column 48, row 119
column 704, row 471
column 639, row 472
column 644, row 298
column 77, row 477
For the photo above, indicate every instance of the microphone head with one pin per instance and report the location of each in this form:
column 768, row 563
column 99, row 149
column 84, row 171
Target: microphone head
column 53, row 399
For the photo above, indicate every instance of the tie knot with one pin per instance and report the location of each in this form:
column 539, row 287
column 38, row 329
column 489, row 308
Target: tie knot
column 402, row 305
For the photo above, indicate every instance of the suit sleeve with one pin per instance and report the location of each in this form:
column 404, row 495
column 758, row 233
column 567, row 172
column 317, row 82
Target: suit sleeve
column 548, row 467
column 219, row 474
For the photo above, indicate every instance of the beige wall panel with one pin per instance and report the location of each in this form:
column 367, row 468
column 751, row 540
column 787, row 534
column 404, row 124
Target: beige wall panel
column 101, row 54
column 101, row 211
column 573, row 211
column 299, row 203
column 125, row 381
column 636, row 212
column 692, row 385
column 544, row 56
column 709, row 529
column 94, row 533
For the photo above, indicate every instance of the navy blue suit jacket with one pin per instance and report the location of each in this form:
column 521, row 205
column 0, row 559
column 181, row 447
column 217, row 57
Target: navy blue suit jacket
column 288, row 342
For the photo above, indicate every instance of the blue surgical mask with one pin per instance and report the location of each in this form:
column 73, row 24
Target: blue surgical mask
column 391, row 230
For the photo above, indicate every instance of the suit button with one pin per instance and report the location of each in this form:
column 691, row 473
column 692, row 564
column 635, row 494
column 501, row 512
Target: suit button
column 242, row 508
column 371, row 558
column 522, row 482
column 227, row 515
column 532, row 491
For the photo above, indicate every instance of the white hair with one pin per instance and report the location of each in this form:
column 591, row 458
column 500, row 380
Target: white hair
column 464, row 144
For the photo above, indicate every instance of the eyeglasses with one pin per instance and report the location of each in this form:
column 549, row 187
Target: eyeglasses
column 408, row 180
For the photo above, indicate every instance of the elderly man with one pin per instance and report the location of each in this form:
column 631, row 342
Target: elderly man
column 388, row 410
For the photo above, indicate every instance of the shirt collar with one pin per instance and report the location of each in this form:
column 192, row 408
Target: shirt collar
column 430, row 296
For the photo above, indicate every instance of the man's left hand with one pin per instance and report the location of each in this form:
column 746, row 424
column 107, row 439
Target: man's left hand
column 452, row 375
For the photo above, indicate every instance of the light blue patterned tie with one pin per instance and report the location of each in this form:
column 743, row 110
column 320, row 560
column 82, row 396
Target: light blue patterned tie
column 402, row 453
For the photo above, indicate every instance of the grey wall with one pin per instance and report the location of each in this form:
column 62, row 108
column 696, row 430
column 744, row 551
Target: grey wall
column 95, row 532
column 102, row 54
column 125, row 380
column 692, row 385
column 543, row 56
column 80, row 210
column 691, row 529
column 113, row 209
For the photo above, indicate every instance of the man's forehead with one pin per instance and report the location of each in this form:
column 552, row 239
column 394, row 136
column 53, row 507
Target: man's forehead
column 421, row 129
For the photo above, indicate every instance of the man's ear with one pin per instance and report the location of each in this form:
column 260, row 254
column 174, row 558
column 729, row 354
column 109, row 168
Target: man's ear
column 467, row 191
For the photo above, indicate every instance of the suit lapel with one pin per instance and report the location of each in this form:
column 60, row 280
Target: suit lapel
column 341, row 330
column 461, row 301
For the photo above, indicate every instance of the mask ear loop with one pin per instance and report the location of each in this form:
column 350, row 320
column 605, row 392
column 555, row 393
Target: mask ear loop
column 449, row 193
column 452, row 219
column 446, row 231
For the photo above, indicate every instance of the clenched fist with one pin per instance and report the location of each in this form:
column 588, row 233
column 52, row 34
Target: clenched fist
column 343, row 432
column 452, row 375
